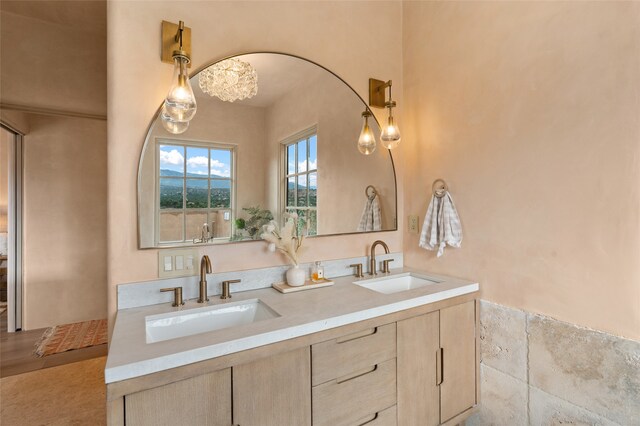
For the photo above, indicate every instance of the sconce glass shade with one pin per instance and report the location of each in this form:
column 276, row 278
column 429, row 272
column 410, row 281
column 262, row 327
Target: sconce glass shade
column 367, row 140
column 173, row 127
column 390, row 135
column 180, row 104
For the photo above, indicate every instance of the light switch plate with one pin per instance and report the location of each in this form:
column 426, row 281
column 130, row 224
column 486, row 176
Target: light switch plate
column 181, row 261
column 412, row 224
column 168, row 263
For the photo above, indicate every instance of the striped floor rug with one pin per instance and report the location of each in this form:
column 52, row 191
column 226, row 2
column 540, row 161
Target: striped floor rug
column 67, row 337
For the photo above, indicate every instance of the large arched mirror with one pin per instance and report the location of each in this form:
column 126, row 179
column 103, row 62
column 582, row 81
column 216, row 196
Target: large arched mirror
column 292, row 147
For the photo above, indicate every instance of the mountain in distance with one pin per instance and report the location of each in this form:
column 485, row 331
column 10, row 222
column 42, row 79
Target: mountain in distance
column 215, row 184
column 172, row 173
column 291, row 186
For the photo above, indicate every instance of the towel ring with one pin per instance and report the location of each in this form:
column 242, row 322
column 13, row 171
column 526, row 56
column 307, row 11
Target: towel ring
column 373, row 192
column 439, row 188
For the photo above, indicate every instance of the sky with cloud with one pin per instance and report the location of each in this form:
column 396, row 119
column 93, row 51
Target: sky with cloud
column 172, row 157
column 303, row 164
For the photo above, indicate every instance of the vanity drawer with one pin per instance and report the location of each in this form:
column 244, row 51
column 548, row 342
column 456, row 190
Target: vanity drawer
column 358, row 396
column 353, row 352
column 387, row 417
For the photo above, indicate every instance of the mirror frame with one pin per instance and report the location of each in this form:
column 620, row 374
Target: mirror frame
column 193, row 74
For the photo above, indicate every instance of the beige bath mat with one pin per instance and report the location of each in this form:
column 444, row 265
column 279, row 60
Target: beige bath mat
column 67, row 337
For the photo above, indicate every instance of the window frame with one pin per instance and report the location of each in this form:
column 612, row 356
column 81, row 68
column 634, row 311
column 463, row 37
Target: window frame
column 187, row 143
column 294, row 139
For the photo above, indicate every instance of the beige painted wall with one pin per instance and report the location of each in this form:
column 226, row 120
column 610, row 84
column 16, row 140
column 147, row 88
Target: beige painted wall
column 335, row 34
column 530, row 110
column 343, row 173
column 54, row 66
column 64, row 216
column 47, row 63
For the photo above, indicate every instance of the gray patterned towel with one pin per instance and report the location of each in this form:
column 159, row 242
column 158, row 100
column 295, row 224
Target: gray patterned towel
column 441, row 225
column 370, row 220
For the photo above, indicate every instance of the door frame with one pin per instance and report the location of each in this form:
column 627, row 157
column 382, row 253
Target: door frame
column 14, row 228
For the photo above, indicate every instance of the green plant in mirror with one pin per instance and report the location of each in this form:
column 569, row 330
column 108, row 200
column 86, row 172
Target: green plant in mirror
column 252, row 226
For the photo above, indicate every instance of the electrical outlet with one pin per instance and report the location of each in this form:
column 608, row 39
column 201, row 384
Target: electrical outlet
column 413, row 224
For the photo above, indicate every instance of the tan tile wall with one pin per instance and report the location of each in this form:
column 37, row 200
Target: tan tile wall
column 536, row 370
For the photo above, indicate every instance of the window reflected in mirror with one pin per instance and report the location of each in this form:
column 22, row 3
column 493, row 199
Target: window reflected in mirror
column 195, row 191
column 301, row 180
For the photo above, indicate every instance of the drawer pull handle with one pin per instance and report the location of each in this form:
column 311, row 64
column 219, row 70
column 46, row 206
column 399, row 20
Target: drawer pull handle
column 375, row 416
column 357, row 374
column 357, row 335
column 439, row 367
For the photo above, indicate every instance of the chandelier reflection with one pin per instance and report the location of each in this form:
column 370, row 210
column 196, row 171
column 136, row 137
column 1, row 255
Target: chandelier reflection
column 230, row 80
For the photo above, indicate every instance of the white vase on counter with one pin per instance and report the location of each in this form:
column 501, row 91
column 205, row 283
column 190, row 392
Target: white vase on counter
column 295, row 276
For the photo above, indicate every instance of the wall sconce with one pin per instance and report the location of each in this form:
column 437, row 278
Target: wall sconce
column 367, row 140
column 180, row 104
column 390, row 135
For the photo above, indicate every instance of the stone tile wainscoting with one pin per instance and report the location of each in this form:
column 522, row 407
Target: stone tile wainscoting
column 539, row 371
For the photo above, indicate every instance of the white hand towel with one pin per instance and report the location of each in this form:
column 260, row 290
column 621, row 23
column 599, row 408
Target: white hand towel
column 370, row 220
column 441, row 225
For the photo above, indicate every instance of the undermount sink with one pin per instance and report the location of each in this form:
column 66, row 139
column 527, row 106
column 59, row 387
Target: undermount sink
column 396, row 283
column 173, row 325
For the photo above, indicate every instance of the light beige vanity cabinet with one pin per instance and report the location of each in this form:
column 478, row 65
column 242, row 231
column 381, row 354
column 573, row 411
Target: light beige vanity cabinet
column 414, row 367
column 273, row 391
column 204, row 400
column 270, row 391
column 437, row 366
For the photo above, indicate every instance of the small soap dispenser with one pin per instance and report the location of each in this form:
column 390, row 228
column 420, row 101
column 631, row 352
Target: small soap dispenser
column 317, row 272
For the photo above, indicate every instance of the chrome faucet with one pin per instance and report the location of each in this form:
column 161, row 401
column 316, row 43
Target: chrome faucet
column 205, row 268
column 372, row 259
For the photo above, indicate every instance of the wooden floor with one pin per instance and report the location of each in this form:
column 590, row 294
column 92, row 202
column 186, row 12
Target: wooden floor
column 16, row 352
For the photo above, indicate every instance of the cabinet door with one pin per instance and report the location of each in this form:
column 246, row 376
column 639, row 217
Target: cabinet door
column 199, row 401
column 457, row 339
column 418, row 393
column 273, row 391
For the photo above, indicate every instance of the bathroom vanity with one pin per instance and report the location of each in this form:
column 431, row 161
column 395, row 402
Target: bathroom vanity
column 348, row 354
column 398, row 349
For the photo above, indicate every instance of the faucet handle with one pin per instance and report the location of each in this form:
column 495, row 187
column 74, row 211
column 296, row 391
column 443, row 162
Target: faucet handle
column 358, row 267
column 385, row 265
column 177, row 295
column 226, row 294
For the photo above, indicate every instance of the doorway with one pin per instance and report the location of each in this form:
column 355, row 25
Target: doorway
column 10, row 228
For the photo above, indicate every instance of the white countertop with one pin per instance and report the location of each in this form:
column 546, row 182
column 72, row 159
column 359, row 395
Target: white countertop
column 301, row 313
